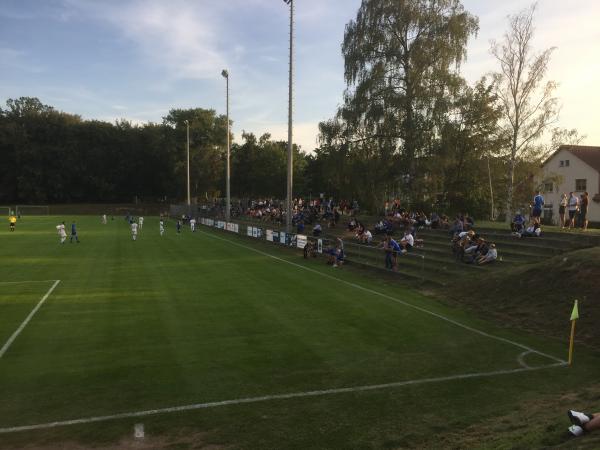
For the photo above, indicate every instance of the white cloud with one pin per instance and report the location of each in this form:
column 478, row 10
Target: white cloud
column 176, row 36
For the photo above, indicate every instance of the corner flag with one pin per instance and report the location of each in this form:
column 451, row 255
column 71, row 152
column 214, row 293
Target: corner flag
column 575, row 313
column 574, row 317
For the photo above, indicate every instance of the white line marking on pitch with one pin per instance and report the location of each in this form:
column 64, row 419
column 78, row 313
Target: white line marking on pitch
column 26, row 282
column 316, row 393
column 388, row 297
column 11, row 339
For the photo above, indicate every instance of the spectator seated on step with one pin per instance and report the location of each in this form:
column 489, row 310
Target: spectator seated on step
column 407, row 242
column 366, row 237
column 457, row 227
column 518, row 223
column 384, row 227
column 489, row 257
column 533, row 230
column 468, row 222
column 477, row 248
column 461, row 241
column 317, row 230
column 352, row 224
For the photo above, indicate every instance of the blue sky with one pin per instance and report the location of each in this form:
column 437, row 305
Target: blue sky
column 136, row 59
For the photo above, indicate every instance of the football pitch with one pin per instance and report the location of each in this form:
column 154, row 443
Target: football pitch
column 243, row 345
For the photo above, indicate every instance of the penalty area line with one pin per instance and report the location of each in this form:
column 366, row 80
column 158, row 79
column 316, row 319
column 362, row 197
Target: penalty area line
column 396, row 300
column 11, row 339
column 265, row 398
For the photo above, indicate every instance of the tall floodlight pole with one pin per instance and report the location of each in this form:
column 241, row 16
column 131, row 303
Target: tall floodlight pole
column 225, row 74
column 187, row 124
column 290, row 154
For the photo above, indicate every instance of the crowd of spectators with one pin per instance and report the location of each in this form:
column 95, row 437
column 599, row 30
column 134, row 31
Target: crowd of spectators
column 471, row 248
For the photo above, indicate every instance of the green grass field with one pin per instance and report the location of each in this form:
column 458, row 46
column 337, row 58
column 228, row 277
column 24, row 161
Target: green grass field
column 308, row 356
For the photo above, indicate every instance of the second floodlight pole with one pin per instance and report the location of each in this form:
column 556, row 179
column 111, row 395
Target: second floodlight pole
column 290, row 154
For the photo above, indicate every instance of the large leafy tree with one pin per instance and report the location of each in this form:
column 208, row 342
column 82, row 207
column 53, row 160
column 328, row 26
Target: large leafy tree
column 401, row 68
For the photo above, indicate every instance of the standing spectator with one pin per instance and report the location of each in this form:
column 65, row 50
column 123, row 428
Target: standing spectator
column 583, row 211
column 562, row 209
column 538, row 204
column 573, row 207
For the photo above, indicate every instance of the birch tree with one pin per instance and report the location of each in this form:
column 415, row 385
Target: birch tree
column 528, row 103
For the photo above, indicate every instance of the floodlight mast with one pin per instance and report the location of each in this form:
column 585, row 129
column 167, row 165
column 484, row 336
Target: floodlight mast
column 187, row 124
column 225, row 75
column 290, row 154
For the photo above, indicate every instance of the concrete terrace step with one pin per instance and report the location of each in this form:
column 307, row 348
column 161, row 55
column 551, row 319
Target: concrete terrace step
column 532, row 246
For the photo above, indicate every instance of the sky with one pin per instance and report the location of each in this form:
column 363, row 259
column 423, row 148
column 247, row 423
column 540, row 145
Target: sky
column 137, row 59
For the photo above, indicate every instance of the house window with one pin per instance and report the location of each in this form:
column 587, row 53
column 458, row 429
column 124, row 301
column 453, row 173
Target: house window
column 561, row 164
column 548, row 187
column 581, row 185
column 566, row 163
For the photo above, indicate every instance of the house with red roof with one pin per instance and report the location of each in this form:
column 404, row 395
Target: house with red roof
column 571, row 168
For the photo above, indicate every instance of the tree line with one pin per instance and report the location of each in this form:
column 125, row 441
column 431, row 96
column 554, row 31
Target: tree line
column 410, row 127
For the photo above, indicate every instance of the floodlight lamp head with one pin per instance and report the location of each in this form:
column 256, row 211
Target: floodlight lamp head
column 287, row 1
column 225, row 73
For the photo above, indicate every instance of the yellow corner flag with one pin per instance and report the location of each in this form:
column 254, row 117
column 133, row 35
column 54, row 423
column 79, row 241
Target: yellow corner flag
column 574, row 317
column 575, row 313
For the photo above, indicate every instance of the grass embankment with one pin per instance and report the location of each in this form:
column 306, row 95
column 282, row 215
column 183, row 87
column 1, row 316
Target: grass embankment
column 539, row 297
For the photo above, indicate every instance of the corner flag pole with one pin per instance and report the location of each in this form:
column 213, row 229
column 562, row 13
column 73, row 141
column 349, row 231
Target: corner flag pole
column 574, row 317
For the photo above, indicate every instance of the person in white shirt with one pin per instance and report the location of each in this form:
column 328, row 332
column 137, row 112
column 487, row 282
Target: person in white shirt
column 573, row 208
column 193, row 225
column 161, row 226
column 62, row 233
column 407, row 242
column 134, row 230
column 367, row 237
column 104, row 219
column 141, row 222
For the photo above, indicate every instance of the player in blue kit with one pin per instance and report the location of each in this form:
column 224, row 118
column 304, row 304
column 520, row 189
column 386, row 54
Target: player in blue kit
column 73, row 233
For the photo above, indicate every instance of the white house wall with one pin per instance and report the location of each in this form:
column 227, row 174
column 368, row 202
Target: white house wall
column 577, row 169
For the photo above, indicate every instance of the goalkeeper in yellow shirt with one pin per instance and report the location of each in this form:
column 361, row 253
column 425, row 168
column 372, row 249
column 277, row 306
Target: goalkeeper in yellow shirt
column 13, row 220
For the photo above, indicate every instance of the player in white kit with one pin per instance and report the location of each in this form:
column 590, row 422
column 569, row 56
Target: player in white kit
column 193, row 225
column 61, row 232
column 161, row 225
column 141, row 222
column 134, row 230
column 103, row 219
